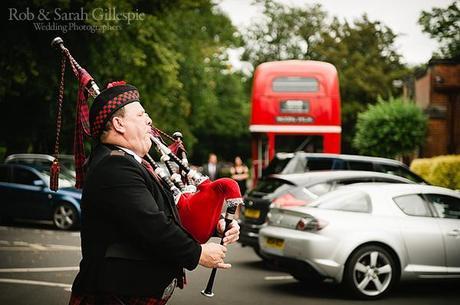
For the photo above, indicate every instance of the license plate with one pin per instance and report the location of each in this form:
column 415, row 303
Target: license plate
column 275, row 243
column 252, row 213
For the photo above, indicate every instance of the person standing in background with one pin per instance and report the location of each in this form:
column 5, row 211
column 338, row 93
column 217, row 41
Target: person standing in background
column 212, row 169
column 240, row 173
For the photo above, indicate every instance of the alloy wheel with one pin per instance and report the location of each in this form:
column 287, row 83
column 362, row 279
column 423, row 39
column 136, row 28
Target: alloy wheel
column 372, row 273
column 65, row 217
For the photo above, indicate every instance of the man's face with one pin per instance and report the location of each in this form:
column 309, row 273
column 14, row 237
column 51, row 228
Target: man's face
column 213, row 159
column 138, row 127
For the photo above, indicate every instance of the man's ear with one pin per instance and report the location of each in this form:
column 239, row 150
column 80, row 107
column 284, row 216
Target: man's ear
column 118, row 124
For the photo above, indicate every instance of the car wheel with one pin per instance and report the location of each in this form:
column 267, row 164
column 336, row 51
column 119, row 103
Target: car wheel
column 65, row 216
column 370, row 272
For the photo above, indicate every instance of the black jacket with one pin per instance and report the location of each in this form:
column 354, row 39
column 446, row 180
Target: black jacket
column 217, row 174
column 131, row 243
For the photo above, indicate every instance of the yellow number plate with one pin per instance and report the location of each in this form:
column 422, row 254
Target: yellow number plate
column 252, row 213
column 275, row 243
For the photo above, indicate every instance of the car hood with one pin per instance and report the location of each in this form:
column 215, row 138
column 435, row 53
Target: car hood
column 70, row 191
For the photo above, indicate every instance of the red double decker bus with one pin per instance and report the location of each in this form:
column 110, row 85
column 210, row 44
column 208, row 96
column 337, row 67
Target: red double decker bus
column 295, row 107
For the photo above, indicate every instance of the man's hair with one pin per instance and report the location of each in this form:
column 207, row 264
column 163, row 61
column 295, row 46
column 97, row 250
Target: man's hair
column 108, row 126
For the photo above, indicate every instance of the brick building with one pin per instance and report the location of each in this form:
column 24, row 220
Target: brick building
column 437, row 91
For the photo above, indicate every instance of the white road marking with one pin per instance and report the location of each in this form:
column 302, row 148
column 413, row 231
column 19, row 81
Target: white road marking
column 26, row 246
column 37, row 247
column 40, row 283
column 278, row 278
column 48, row 269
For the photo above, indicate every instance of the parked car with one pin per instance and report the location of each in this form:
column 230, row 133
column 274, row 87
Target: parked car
column 25, row 194
column 300, row 162
column 369, row 236
column 296, row 189
column 67, row 164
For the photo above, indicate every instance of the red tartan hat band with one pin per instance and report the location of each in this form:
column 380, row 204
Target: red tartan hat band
column 116, row 96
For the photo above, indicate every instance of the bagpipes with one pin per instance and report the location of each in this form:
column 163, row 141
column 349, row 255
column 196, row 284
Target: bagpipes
column 199, row 200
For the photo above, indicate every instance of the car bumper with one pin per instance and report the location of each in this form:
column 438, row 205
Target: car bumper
column 249, row 234
column 317, row 251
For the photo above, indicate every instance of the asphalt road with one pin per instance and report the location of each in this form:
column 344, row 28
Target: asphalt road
column 38, row 265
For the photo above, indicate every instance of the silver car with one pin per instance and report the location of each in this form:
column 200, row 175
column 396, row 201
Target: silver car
column 369, row 236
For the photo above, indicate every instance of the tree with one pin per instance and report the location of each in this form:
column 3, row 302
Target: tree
column 284, row 33
column 390, row 129
column 170, row 55
column 367, row 61
column 444, row 26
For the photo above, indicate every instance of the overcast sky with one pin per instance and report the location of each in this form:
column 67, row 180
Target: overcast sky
column 399, row 15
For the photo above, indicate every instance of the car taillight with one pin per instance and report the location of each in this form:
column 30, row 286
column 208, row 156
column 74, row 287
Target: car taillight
column 311, row 224
column 288, row 200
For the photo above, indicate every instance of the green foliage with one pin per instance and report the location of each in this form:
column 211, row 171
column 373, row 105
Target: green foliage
column 442, row 170
column 285, row 32
column 422, row 167
column 390, row 129
column 444, row 26
column 175, row 56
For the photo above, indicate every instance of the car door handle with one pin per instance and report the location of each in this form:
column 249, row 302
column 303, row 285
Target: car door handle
column 455, row 233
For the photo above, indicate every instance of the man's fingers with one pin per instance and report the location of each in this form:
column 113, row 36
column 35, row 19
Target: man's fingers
column 223, row 266
column 228, row 240
column 231, row 231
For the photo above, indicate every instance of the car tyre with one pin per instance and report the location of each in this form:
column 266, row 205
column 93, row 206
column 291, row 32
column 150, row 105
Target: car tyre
column 65, row 216
column 370, row 273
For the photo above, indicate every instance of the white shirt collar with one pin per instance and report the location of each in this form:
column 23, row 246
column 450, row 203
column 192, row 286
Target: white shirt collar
column 128, row 151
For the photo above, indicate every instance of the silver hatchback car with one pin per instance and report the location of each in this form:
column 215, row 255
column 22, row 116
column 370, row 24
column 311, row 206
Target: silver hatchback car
column 369, row 236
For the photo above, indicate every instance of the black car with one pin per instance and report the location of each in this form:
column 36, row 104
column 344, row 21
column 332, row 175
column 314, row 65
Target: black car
column 295, row 190
column 300, row 162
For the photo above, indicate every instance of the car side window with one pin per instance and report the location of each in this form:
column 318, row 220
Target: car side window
column 445, row 206
column 413, row 205
column 360, row 166
column 398, row 171
column 339, row 164
column 318, row 164
column 4, row 177
column 24, row 176
column 345, row 200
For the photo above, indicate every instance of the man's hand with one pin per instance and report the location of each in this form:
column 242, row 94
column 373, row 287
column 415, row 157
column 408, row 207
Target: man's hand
column 233, row 233
column 212, row 256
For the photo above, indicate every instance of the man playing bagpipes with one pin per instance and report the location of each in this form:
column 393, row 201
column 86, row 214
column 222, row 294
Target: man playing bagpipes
column 134, row 245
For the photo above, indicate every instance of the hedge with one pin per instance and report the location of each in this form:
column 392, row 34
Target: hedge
column 442, row 170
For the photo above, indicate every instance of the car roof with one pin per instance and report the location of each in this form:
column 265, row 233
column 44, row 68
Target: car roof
column 319, row 176
column 350, row 157
column 29, row 157
column 396, row 189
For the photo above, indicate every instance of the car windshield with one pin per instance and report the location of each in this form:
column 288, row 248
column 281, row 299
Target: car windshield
column 344, row 200
column 271, row 185
column 65, row 179
column 276, row 166
column 296, row 165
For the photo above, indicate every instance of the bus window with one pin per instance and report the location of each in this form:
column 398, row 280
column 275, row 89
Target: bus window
column 295, row 84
